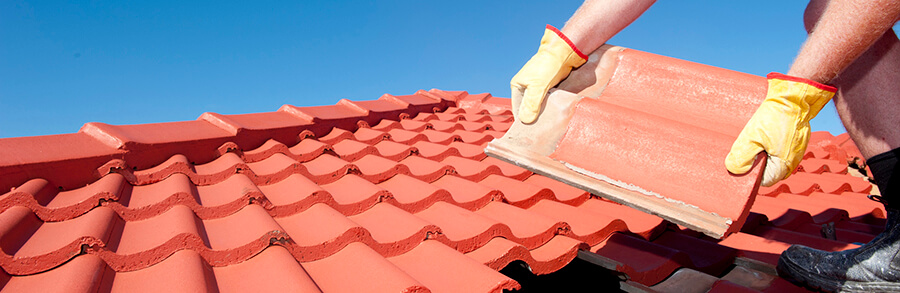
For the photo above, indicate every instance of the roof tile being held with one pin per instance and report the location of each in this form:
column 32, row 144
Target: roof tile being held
column 654, row 137
column 357, row 196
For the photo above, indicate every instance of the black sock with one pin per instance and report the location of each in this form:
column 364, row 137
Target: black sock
column 883, row 166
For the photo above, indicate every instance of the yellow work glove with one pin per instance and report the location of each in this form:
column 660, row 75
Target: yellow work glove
column 780, row 127
column 551, row 64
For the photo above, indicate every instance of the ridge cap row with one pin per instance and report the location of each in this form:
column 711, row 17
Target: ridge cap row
column 64, row 158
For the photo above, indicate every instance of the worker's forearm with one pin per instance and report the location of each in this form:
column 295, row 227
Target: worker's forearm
column 596, row 21
column 846, row 29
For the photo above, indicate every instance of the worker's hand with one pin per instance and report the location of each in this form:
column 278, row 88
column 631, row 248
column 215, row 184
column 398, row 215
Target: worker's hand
column 551, row 64
column 780, row 127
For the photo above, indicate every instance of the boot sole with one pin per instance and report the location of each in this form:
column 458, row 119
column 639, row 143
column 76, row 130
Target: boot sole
column 797, row 275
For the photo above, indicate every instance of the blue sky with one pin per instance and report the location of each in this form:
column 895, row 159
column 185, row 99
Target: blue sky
column 66, row 63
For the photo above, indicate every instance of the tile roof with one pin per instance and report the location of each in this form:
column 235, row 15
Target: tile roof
column 387, row 195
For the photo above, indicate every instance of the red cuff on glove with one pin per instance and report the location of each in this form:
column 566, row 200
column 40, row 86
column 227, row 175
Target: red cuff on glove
column 824, row 87
column 562, row 36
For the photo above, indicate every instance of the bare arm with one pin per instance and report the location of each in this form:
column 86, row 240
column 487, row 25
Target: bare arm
column 846, row 30
column 596, row 21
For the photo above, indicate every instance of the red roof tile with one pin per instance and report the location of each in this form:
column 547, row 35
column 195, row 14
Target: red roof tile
column 644, row 262
column 661, row 157
column 313, row 199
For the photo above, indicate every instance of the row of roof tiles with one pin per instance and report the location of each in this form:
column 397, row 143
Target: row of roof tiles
column 344, row 206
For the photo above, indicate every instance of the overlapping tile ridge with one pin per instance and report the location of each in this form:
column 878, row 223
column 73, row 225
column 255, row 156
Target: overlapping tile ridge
column 388, row 195
column 307, row 194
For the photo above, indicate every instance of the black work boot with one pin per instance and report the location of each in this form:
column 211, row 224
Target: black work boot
column 874, row 266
